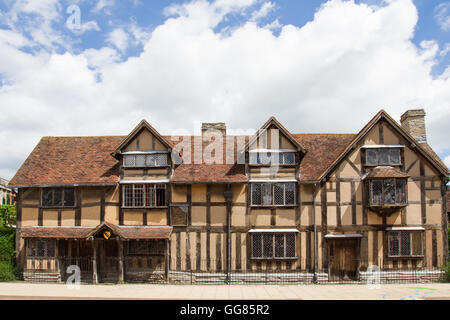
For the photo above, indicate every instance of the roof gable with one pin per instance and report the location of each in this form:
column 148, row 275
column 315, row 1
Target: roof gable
column 383, row 115
column 143, row 125
column 274, row 122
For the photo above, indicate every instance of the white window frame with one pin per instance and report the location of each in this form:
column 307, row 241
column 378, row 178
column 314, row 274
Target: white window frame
column 400, row 255
column 147, row 156
column 273, row 234
column 377, row 150
column 269, row 154
column 273, row 194
column 153, row 187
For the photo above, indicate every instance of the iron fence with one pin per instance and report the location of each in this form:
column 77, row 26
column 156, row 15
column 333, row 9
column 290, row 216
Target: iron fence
column 152, row 269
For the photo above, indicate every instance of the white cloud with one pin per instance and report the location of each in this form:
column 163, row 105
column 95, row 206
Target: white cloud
column 103, row 4
column 263, row 11
column 446, row 50
column 98, row 59
column 442, row 14
column 118, row 38
column 351, row 59
column 447, row 161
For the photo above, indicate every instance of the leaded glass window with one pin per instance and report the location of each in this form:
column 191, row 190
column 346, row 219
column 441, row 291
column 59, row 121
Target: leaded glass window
column 273, row 194
column 58, row 197
column 273, row 245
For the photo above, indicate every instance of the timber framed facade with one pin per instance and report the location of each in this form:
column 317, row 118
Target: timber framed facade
column 328, row 205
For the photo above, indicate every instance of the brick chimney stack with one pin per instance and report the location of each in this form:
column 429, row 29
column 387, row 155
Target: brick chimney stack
column 214, row 127
column 413, row 121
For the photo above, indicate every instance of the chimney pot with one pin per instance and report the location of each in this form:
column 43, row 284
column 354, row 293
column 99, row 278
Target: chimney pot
column 413, row 121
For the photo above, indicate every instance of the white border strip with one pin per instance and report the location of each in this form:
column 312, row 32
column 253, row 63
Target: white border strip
column 144, row 152
column 272, row 181
column 143, row 181
column 272, row 150
column 273, row 230
column 348, row 235
column 405, row 229
column 371, row 146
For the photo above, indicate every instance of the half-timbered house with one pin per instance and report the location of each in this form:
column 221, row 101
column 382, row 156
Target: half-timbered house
column 126, row 208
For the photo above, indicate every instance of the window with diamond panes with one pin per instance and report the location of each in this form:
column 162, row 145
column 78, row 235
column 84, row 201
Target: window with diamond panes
column 276, row 245
column 272, row 158
column 145, row 160
column 276, row 194
column 388, row 191
column 405, row 243
column 383, row 156
column 41, row 248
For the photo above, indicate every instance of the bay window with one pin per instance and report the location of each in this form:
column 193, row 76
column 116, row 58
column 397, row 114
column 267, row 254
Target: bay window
column 387, row 191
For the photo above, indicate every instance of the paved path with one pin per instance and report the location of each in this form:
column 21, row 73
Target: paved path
column 20, row 290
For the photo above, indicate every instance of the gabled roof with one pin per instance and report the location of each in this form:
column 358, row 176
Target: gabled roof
column 323, row 149
column 70, row 161
column 383, row 115
column 80, row 161
column 273, row 121
column 143, row 124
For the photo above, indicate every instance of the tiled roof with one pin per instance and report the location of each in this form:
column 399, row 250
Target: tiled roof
column 124, row 232
column 386, row 172
column 55, row 232
column 321, row 151
column 88, row 160
column 201, row 170
column 70, row 160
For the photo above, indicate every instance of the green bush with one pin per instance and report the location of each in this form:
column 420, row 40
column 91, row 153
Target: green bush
column 8, row 215
column 7, row 269
column 446, row 269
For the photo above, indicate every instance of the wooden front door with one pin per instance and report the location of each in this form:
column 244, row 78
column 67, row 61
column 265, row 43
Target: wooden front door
column 108, row 260
column 343, row 259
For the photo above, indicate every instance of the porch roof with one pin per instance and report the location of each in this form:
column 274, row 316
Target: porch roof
column 124, row 232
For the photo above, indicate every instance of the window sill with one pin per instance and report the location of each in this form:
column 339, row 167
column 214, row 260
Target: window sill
column 272, row 259
column 405, row 257
column 378, row 165
column 59, row 207
column 273, row 165
column 289, row 206
column 164, row 207
column 147, row 167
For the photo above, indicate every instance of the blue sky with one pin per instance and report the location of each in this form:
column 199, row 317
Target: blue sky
column 178, row 63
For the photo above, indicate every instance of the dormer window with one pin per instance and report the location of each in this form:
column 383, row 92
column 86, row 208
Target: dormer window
column 145, row 159
column 272, row 157
column 383, row 155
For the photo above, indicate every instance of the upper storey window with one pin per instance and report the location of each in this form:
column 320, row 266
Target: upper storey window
column 272, row 157
column 383, row 156
column 58, row 197
column 145, row 159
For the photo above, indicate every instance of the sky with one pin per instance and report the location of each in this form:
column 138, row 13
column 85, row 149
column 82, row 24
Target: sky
column 98, row 67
